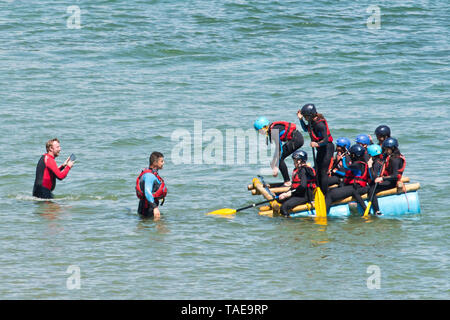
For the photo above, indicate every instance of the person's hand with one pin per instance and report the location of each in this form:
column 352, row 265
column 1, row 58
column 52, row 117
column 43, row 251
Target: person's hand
column 299, row 115
column 370, row 138
column 314, row 144
column 65, row 162
column 156, row 214
column 370, row 163
column 379, row 180
column 282, row 196
column 70, row 163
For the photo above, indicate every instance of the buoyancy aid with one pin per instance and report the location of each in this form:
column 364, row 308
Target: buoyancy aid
column 313, row 135
column 159, row 190
column 388, row 168
column 289, row 128
column 310, row 178
column 362, row 179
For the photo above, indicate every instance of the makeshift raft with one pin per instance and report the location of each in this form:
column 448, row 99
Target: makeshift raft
column 393, row 202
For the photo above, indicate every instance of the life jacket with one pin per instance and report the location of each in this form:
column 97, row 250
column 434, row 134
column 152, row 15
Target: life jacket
column 362, row 179
column 289, row 128
column 313, row 135
column 159, row 193
column 388, row 168
column 310, row 178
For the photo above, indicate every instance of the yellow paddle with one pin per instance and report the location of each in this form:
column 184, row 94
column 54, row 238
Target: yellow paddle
column 228, row 211
column 319, row 198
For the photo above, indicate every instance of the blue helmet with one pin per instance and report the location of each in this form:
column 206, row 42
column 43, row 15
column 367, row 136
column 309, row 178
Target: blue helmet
column 363, row 138
column 300, row 154
column 260, row 123
column 374, row 150
column 357, row 150
column 390, row 143
column 343, row 142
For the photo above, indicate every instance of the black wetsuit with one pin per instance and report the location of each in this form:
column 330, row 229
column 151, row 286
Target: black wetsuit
column 389, row 182
column 302, row 193
column 287, row 148
column 325, row 152
column 354, row 189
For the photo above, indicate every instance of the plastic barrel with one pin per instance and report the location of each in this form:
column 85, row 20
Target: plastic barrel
column 398, row 204
column 341, row 210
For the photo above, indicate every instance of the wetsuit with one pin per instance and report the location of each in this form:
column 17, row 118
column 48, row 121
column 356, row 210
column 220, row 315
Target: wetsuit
column 46, row 173
column 301, row 181
column 391, row 175
column 320, row 133
column 150, row 184
column 355, row 185
column 292, row 142
column 341, row 168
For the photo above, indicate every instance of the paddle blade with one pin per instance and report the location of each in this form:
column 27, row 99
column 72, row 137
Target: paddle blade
column 319, row 203
column 366, row 212
column 223, row 212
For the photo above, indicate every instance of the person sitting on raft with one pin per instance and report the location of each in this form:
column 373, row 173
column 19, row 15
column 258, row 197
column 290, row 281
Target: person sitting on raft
column 391, row 172
column 287, row 133
column 364, row 141
column 340, row 163
column 303, row 178
column 321, row 139
column 356, row 179
column 150, row 187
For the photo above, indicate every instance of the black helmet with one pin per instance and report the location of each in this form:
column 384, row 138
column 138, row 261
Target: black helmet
column 357, row 150
column 308, row 110
column 390, row 143
column 300, row 154
column 383, row 131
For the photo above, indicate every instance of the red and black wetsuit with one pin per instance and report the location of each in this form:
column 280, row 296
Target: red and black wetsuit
column 46, row 173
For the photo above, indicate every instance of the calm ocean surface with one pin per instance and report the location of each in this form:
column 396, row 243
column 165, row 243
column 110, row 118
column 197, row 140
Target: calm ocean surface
column 126, row 77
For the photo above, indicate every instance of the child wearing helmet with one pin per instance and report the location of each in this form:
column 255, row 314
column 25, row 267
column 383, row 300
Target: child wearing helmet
column 290, row 139
column 355, row 182
column 364, row 141
column 340, row 163
column 382, row 132
column 391, row 171
column 303, row 178
column 321, row 139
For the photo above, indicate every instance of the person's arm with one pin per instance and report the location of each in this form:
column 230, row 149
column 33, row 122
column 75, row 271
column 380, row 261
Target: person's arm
column 304, row 126
column 53, row 167
column 149, row 180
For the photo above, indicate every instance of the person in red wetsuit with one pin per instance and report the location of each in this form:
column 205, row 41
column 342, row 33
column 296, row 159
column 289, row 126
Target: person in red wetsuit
column 47, row 170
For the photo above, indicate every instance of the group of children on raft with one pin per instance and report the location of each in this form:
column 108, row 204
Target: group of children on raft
column 356, row 169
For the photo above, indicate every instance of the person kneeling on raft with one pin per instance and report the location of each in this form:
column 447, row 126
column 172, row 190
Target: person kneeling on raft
column 356, row 179
column 287, row 133
column 303, row 178
column 391, row 171
column 150, row 187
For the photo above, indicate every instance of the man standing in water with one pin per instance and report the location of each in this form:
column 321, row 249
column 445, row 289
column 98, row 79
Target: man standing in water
column 150, row 187
column 47, row 170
